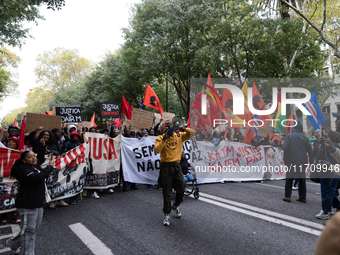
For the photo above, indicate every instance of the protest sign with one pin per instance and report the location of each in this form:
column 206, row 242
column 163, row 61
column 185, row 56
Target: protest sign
column 141, row 119
column 165, row 116
column 262, row 131
column 69, row 113
column 34, row 120
column 109, row 110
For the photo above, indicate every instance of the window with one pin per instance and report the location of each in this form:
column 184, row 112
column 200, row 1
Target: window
column 326, row 109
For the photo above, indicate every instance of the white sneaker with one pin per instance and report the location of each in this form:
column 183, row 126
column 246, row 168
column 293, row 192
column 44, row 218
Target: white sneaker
column 110, row 191
column 323, row 215
column 166, row 221
column 62, row 203
column 295, row 188
column 177, row 211
column 95, row 195
column 51, row 205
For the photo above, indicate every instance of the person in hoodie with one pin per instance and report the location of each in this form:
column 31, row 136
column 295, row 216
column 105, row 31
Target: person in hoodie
column 296, row 148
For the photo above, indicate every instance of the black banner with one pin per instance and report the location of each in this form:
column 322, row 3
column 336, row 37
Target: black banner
column 69, row 113
column 109, row 110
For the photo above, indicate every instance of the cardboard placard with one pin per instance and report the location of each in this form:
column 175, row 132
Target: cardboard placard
column 140, row 119
column 84, row 124
column 262, row 131
column 101, row 126
column 34, row 120
column 165, row 116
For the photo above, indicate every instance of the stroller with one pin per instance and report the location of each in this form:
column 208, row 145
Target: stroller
column 190, row 187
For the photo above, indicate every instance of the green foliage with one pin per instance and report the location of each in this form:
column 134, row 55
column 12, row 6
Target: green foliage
column 14, row 13
column 61, row 67
column 8, row 65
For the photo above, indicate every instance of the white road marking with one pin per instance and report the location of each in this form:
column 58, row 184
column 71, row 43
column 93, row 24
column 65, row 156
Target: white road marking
column 258, row 213
column 15, row 230
column 90, row 240
column 270, row 185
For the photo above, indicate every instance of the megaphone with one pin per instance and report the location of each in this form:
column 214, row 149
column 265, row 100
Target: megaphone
column 312, row 140
column 177, row 123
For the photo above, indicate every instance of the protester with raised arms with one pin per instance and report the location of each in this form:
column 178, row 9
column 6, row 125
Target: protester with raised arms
column 169, row 145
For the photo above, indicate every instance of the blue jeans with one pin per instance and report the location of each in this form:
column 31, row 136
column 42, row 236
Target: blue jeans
column 188, row 177
column 328, row 196
column 25, row 239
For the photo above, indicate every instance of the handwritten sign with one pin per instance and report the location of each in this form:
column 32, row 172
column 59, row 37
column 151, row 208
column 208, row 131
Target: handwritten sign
column 263, row 131
column 69, row 113
column 166, row 116
column 34, row 120
column 140, row 119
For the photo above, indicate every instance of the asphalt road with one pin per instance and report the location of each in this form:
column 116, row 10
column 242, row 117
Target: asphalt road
column 228, row 218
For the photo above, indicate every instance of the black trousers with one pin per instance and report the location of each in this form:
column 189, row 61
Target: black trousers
column 169, row 179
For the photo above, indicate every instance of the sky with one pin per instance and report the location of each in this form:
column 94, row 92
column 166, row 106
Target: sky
column 92, row 27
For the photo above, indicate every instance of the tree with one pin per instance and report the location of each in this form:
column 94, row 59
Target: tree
column 328, row 27
column 8, row 64
column 8, row 119
column 61, row 68
column 14, row 13
column 37, row 100
column 178, row 40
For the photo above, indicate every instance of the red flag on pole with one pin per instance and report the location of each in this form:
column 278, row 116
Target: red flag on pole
column 151, row 99
column 92, row 120
column 22, row 134
column 15, row 123
column 126, row 109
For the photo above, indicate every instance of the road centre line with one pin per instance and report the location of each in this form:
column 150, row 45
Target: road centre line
column 90, row 240
column 270, row 185
column 264, row 211
column 264, row 217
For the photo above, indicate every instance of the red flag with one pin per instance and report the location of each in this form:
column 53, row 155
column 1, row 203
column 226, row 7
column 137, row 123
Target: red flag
column 196, row 104
column 92, row 120
column 126, row 109
column 151, row 99
column 188, row 122
column 248, row 135
column 15, row 123
column 203, row 122
column 247, row 115
column 258, row 103
column 289, row 124
column 227, row 100
column 22, row 134
column 273, row 136
column 212, row 89
column 215, row 101
column 118, row 122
